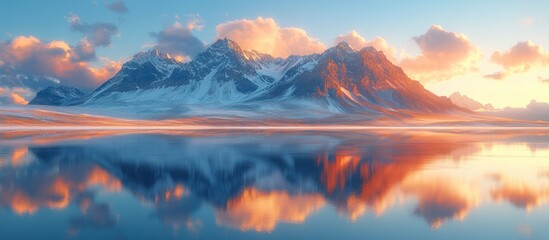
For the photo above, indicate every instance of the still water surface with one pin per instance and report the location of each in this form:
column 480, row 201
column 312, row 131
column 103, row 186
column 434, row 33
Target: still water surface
column 274, row 185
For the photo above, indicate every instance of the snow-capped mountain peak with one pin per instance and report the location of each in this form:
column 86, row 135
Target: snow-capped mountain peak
column 224, row 76
column 225, row 43
column 144, row 69
column 344, row 46
column 161, row 61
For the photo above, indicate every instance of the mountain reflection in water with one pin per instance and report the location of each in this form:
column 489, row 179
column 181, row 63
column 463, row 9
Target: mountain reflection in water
column 109, row 184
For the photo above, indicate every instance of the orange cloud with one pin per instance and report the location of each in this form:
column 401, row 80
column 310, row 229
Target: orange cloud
column 15, row 95
column 444, row 54
column 335, row 173
column 520, row 58
column 28, row 195
column 357, row 42
column 29, row 56
column 18, row 156
column 261, row 211
column 98, row 176
column 17, row 99
column 521, row 194
column 266, row 36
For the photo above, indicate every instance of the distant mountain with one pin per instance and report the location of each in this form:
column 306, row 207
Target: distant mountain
column 225, row 76
column 58, row 96
column 468, row 103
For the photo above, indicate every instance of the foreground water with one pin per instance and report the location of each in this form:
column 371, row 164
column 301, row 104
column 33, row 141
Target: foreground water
column 389, row 184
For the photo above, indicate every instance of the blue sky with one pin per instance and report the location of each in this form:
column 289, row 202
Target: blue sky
column 489, row 25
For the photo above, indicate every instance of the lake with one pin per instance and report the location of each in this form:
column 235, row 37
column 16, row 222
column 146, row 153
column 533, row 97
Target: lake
column 355, row 184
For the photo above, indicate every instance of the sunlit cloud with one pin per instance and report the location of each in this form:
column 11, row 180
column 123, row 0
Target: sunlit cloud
column 441, row 198
column 444, row 55
column 521, row 195
column 52, row 191
column 520, row 58
column 16, row 95
column 19, row 156
column 262, row 211
column 194, row 22
column 357, row 42
column 266, row 36
column 84, row 51
column 30, row 56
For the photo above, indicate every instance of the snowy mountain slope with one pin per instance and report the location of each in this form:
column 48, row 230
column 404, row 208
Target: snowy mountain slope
column 142, row 72
column 344, row 79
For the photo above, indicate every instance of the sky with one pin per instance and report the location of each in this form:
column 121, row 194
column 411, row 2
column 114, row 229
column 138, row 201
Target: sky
column 492, row 51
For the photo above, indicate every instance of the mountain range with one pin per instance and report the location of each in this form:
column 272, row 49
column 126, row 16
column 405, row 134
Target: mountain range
column 224, row 76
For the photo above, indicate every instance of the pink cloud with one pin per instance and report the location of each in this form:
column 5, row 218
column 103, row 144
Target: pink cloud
column 520, row 58
column 266, row 36
column 54, row 60
column 444, row 54
column 356, row 41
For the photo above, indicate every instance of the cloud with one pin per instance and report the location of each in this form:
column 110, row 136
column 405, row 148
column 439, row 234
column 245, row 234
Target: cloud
column 117, row 7
column 520, row 58
column 15, row 95
column 84, row 51
column 265, row 35
column 444, row 54
column 94, row 35
column 263, row 211
column 28, row 60
column 496, row 75
column 178, row 41
column 98, row 34
column 534, row 111
column 194, row 22
column 96, row 216
column 357, row 42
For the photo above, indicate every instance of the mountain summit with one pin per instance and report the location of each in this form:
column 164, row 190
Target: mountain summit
column 224, row 76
